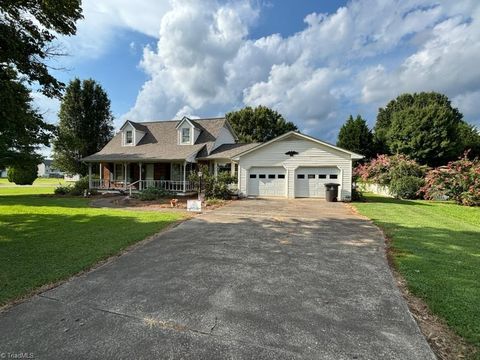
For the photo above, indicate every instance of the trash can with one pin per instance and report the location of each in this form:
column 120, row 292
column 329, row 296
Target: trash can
column 331, row 192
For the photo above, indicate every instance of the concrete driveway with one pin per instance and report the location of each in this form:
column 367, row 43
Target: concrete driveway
column 258, row 279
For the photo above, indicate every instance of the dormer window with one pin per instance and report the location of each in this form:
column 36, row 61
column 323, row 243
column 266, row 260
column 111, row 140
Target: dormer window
column 185, row 135
column 129, row 137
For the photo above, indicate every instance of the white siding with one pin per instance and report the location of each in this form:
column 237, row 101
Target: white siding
column 224, row 137
column 185, row 125
column 310, row 154
column 136, row 134
column 41, row 170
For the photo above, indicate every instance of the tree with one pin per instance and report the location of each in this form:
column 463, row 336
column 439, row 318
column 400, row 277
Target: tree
column 27, row 29
column 470, row 139
column 355, row 136
column 22, row 130
column 259, row 124
column 423, row 126
column 85, row 125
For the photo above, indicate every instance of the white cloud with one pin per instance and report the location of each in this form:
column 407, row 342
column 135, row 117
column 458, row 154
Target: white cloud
column 358, row 57
column 46, row 106
column 104, row 20
column 447, row 62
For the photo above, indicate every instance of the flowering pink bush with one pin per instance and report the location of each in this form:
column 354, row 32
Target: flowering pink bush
column 402, row 176
column 459, row 180
column 384, row 168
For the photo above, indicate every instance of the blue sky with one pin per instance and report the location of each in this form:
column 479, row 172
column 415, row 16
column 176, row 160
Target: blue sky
column 314, row 61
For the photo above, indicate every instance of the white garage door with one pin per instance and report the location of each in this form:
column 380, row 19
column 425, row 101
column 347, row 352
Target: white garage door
column 266, row 181
column 310, row 182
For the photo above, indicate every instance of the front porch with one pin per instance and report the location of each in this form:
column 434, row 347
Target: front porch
column 135, row 176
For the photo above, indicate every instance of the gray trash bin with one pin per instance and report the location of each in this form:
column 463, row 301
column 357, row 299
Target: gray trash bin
column 331, row 192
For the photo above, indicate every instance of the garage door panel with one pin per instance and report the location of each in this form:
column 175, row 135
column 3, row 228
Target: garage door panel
column 267, row 181
column 310, row 182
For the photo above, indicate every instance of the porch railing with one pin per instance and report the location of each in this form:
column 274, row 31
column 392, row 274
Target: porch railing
column 169, row 185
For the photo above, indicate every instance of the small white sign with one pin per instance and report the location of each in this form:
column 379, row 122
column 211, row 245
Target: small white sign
column 194, row 205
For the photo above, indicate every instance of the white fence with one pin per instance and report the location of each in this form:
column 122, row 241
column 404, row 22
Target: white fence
column 374, row 188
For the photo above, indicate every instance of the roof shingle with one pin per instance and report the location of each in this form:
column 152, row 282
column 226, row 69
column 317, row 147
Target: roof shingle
column 160, row 142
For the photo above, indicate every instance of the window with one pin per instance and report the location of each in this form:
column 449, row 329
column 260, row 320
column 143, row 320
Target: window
column 129, row 137
column 119, row 172
column 253, row 176
column 300, row 176
column 261, row 176
column 271, row 176
column 281, row 176
column 224, row 168
column 322, row 176
column 185, row 135
column 333, row 176
column 311, row 176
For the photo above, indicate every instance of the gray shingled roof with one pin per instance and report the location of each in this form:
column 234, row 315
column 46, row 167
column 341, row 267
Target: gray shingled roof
column 227, row 151
column 160, row 142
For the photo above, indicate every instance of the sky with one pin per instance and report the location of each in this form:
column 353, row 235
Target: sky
column 314, row 61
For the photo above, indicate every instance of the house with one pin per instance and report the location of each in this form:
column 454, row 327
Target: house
column 162, row 154
column 3, row 172
column 45, row 169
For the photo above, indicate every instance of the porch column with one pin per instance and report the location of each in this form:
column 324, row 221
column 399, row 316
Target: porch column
column 89, row 175
column 184, row 175
column 125, row 178
column 215, row 168
column 232, row 168
column 140, row 175
column 100, row 168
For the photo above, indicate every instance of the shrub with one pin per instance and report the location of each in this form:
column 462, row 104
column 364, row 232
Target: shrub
column 213, row 202
column 80, row 186
column 357, row 195
column 151, row 193
column 23, row 174
column 402, row 176
column 406, row 187
column 214, row 187
column 458, row 180
column 62, row 190
column 383, row 169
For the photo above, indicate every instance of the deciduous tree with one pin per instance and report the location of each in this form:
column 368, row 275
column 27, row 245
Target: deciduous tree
column 424, row 126
column 258, row 124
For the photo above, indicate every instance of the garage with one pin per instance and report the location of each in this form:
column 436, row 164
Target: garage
column 310, row 181
column 295, row 165
column 267, row 181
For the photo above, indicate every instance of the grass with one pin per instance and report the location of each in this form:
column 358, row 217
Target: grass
column 39, row 182
column 44, row 239
column 436, row 248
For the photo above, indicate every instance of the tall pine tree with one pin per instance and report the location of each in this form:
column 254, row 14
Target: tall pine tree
column 85, row 125
column 355, row 136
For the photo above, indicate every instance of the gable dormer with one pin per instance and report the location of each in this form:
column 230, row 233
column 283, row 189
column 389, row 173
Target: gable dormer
column 132, row 133
column 187, row 132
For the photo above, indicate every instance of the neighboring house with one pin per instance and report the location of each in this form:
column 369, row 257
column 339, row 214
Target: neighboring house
column 3, row 173
column 162, row 154
column 45, row 169
column 68, row 177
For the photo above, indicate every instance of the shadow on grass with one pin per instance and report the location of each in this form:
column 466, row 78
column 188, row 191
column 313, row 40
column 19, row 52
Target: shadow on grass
column 44, row 200
column 389, row 200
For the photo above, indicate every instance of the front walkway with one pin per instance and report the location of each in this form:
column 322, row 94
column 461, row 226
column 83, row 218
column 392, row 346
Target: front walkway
column 263, row 279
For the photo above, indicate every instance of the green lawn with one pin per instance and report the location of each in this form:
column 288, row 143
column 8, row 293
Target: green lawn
column 42, row 182
column 44, row 239
column 437, row 250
